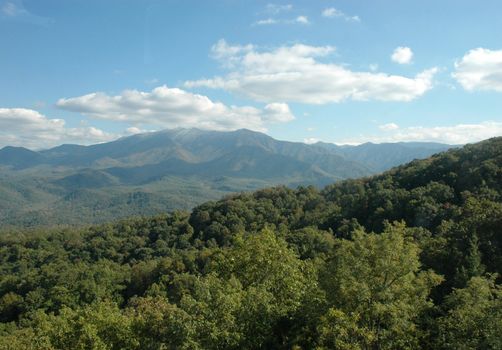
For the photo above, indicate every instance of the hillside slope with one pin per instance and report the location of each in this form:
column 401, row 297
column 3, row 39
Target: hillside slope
column 277, row 268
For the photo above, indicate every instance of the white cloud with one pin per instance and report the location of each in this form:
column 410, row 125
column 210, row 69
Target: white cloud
column 15, row 10
column 270, row 21
column 402, row 55
column 310, row 140
column 171, row 107
column 455, row 134
column 480, row 69
column 272, row 10
column 29, row 128
column 276, row 8
column 221, row 50
column 267, row 21
column 297, row 74
column 134, row 130
column 278, row 113
column 228, row 55
column 388, row 127
column 302, row 19
column 10, row 9
column 332, row 12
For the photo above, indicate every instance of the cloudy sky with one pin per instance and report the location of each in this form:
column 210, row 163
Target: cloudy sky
column 343, row 71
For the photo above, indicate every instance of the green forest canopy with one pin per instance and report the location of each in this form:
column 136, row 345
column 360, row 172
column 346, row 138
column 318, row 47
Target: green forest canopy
column 405, row 260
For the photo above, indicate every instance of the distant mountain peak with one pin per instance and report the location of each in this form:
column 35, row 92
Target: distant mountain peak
column 19, row 157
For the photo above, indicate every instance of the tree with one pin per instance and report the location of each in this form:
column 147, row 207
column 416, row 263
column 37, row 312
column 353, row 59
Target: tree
column 473, row 318
column 100, row 326
column 376, row 290
column 275, row 284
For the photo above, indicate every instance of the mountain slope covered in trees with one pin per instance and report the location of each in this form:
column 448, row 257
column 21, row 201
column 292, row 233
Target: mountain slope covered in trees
column 410, row 259
column 150, row 173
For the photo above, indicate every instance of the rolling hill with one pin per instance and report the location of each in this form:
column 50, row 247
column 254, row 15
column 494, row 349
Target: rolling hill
column 410, row 258
column 150, row 173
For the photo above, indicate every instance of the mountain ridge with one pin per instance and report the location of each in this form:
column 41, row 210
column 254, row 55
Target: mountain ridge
column 196, row 165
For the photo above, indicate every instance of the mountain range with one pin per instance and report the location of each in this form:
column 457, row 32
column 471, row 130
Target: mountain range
column 153, row 172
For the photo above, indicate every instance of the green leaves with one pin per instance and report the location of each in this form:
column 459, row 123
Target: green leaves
column 278, row 268
column 473, row 318
column 376, row 287
column 100, row 326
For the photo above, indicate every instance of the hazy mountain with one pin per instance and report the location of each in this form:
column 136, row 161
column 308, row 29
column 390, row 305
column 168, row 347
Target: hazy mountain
column 383, row 156
column 154, row 172
column 19, row 157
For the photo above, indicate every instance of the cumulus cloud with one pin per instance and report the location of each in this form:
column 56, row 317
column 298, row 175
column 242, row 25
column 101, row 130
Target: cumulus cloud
column 389, row 126
column 480, row 69
column 299, row 73
column 332, row 12
column 402, row 55
column 454, row 135
column 302, row 19
column 29, row 128
column 222, row 51
column 171, row 107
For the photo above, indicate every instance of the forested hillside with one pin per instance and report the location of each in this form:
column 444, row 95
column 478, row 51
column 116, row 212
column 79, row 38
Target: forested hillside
column 410, row 259
column 151, row 173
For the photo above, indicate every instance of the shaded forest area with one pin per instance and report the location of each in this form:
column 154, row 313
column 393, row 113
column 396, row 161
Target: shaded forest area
column 408, row 259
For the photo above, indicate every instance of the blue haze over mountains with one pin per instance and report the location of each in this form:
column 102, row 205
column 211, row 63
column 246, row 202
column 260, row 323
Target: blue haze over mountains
column 145, row 174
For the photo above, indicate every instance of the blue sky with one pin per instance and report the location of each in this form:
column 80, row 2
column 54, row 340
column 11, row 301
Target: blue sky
column 346, row 71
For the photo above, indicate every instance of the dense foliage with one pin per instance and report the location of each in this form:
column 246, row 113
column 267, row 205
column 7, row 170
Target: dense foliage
column 405, row 260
